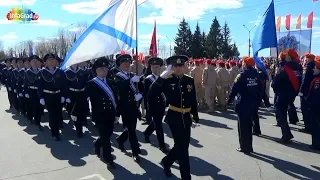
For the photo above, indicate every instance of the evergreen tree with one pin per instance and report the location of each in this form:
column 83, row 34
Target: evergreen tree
column 234, row 50
column 214, row 40
column 183, row 39
column 197, row 48
column 226, row 46
column 203, row 42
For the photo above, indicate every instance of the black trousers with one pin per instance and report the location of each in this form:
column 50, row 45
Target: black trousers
column 156, row 124
column 180, row 126
column 78, row 108
column 245, row 120
column 54, row 107
column 10, row 97
column 22, row 105
column 34, row 108
column 15, row 101
column 129, row 120
column 281, row 112
column 105, row 132
column 256, row 121
column 292, row 112
column 306, row 114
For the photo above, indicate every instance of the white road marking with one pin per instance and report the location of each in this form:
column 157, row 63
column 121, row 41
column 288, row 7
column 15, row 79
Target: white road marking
column 93, row 176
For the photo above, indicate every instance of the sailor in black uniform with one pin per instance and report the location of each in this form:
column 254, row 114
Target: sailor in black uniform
column 52, row 90
column 20, row 86
column 6, row 80
column 155, row 105
column 179, row 90
column 34, row 108
column 103, row 98
column 129, row 98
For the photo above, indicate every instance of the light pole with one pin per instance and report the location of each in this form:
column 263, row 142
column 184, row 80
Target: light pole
column 63, row 44
column 170, row 44
column 249, row 35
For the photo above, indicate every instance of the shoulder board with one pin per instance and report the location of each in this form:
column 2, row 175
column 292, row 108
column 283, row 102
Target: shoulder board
column 237, row 78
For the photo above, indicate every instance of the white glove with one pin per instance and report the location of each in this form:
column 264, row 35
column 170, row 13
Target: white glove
column 116, row 120
column 14, row 90
column 27, row 96
column 42, row 102
column 73, row 118
column 166, row 72
column 88, row 99
column 63, row 99
column 138, row 97
column 300, row 94
column 20, row 94
column 10, row 89
column 135, row 79
column 68, row 100
column 194, row 125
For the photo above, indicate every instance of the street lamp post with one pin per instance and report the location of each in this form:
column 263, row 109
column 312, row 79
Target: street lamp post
column 249, row 31
column 62, row 41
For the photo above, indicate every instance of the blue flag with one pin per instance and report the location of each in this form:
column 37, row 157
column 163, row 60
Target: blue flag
column 265, row 35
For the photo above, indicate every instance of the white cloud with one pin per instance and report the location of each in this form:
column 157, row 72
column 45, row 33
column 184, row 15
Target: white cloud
column 145, row 39
column 9, row 36
column 77, row 29
column 47, row 22
column 88, row 7
column 16, row 2
column 172, row 11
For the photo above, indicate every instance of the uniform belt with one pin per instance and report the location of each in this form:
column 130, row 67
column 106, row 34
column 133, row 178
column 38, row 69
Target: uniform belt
column 76, row 90
column 33, row 87
column 51, row 92
column 180, row 110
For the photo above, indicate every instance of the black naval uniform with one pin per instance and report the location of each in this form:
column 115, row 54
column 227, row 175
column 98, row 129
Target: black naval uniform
column 181, row 96
column 20, row 91
column 76, row 80
column 102, row 95
column 14, row 85
column 127, row 107
column 5, row 80
column 31, row 83
column 111, row 74
column 155, row 106
column 52, row 88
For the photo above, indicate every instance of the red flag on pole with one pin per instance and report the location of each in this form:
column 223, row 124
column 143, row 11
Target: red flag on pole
column 310, row 20
column 288, row 18
column 153, row 46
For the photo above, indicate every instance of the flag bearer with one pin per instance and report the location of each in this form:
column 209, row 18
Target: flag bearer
column 128, row 105
column 103, row 98
column 31, row 82
column 286, row 85
column 76, row 98
column 248, row 90
column 180, row 93
column 156, row 104
column 51, row 89
column 314, row 102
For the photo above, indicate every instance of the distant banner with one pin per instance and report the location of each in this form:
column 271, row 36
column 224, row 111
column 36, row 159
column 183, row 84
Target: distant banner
column 297, row 40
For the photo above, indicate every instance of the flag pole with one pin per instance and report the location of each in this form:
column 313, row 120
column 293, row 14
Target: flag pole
column 136, row 6
column 310, row 40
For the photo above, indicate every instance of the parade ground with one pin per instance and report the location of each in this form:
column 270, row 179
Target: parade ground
column 27, row 154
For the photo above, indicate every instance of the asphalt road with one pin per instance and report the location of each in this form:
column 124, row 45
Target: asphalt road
column 27, row 154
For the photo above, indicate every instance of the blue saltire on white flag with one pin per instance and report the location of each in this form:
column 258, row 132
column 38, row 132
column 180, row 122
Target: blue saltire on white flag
column 113, row 31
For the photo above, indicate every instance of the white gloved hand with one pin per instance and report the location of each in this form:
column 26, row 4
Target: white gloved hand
column 42, row 102
column 138, row 97
column 300, row 94
column 14, row 90
column 68, row 100
column 117, row 120
column 10, row 89
column 135, row 79
column 20, row 94
column 88, row 99
column 27, row 95
column 194, row 125
column 63, row 99
column 73, row 118
column 166, row 72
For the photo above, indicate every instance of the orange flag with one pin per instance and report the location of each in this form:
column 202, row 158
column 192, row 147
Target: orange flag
column 298, row 26
column 278, row 24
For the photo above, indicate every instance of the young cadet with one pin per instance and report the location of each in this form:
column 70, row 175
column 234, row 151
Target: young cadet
column 156, row 104
column 286, row 85
column 248, row 89
column 52, row 90
column 314, row 102
column 103, row 98
column 128, row 105
column 31, row 92
column 180, row 93
column 76, row 98
column 20, row 87
column 6, row 81
column 14, row 83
